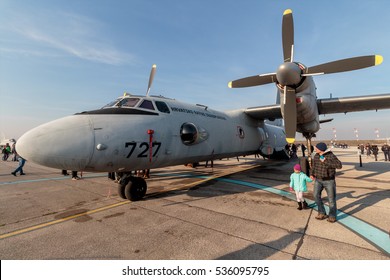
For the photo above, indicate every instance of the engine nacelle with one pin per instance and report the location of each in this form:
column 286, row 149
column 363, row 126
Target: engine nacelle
column 274, row 142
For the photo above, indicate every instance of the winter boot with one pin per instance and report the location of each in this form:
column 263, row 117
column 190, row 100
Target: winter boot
column 299, row 205
column 304, row 205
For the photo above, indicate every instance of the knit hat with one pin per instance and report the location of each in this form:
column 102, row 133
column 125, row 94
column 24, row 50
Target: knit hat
column 297, row 167
column 321, row 146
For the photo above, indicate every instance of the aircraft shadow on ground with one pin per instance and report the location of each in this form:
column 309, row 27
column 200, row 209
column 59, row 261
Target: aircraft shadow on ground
column 376, row 167
column 264, row 251
column 362, row 201
column 214, row 188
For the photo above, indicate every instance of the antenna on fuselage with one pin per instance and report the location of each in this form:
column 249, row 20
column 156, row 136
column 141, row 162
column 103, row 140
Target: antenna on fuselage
column 151, row 77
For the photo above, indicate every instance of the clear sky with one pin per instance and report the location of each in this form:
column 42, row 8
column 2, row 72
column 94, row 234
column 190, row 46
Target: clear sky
column 61, row 57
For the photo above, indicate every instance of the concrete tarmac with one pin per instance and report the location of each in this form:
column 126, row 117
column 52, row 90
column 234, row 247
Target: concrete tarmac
column 235, row 210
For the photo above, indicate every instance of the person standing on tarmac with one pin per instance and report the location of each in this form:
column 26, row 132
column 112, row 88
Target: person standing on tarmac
column 298, row 181
column 375, row 151
column 22, row 161
column 385, row 149
column 323, row 172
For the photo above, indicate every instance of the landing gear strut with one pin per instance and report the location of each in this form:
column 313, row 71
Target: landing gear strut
column 307, row 163
column 132, row 188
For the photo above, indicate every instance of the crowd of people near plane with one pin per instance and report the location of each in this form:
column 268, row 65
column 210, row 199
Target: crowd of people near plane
column 292, row 150
column 373, row 150
column 9, row 151
column 340, row 145
column 370, row 150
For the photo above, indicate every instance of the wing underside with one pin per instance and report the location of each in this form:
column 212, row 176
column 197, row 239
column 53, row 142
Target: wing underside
column 353, row 104
column 328, row 106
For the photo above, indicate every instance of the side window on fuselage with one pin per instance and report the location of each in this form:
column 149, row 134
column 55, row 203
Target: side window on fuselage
column 162, row 107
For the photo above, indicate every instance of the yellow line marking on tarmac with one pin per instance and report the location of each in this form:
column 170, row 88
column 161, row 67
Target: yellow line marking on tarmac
column 61, row 220
column 36, row 227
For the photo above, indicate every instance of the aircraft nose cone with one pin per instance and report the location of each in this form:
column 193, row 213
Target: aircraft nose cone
column 289, row 74
column 65, row 143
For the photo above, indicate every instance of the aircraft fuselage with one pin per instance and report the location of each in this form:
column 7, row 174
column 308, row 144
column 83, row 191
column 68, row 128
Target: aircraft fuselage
column 164, row 133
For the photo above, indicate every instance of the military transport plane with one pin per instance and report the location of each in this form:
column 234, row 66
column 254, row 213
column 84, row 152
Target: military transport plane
column 137, row 132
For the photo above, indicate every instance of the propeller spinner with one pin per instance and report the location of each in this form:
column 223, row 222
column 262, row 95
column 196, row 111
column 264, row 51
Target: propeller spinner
column 290, row 74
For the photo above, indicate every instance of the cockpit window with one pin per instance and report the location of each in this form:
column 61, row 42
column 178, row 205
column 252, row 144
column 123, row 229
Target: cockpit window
column 147, row 104
column 162, row 107
column 123, row 102
column 128, row 102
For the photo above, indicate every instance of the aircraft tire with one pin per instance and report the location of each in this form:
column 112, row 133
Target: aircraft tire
column 121, row 191
column 135, row 189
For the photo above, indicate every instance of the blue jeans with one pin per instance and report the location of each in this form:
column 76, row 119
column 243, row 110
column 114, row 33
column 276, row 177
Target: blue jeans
column 20, row 167
column 330, row 188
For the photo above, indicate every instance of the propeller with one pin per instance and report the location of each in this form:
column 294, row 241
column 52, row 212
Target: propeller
column 288, row 35
column 253, row 81
column 290, row 114
column 343, row 65
column 290, row 74
column 151, row 77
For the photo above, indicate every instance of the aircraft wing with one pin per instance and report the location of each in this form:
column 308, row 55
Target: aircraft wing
column 270, row 112
column 328, row 106
column 353, row 104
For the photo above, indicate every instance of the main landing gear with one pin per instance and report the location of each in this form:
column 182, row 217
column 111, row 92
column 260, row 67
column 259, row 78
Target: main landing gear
column 306, row 162
column 132, row 188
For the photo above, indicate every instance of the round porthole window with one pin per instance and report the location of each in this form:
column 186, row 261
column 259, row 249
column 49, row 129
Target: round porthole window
column 188, row 133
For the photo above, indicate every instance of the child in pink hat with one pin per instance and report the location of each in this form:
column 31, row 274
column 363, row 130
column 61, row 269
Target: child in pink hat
column 298, row 181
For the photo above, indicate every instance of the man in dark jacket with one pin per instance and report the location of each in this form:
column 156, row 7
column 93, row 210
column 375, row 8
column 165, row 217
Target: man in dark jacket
column 324, row 173
column 385, row 149
column 375, row 151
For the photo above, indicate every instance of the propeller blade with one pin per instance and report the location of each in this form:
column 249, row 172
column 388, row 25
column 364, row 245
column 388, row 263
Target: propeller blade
column 343, row 65
column 253, row 81
column 288, row 35
column 290, row 114
column 151, row 77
